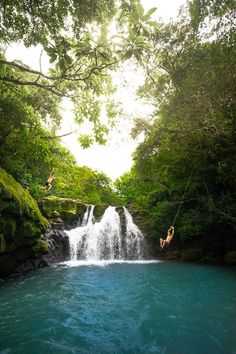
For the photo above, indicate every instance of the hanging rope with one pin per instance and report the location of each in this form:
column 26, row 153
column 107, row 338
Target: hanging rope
column 181, row 202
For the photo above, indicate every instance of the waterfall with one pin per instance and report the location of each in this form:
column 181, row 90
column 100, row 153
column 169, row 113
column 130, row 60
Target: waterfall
column 135, row 243
column 105, row 240
column 78, row 235
column 88, row 216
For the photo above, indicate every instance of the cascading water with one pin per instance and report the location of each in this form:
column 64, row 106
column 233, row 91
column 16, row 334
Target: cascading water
column 77, row 236
column 105, row 240
column 135, row 243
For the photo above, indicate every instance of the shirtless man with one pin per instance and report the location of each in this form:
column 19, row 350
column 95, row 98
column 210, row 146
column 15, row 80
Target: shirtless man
column 48, row 184
column 170, row 235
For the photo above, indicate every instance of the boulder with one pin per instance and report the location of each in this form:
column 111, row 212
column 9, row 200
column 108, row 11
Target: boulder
column 58, row 247
column 69, row 211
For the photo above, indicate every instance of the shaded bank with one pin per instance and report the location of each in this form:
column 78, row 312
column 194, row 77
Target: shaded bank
column 217, row 248
column 33, row 237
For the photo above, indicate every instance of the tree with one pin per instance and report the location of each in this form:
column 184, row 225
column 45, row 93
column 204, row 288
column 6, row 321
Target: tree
column 75, row 35
column 190, row 78
column 81, row 182
column 29, row 152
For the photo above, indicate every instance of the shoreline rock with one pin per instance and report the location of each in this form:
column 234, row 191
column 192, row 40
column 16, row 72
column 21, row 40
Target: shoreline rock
column 23, row 260
column 58, row 245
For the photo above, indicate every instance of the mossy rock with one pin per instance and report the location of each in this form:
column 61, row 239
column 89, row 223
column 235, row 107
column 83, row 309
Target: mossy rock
column 64, row 208
column 17, row 199
column 81, row 207
column 20, row 217
column 40, row 248
column 29, row 228
column 99, row 210
column 55, row 214
column 8, row 226
column 68, row 215
column 230, row 257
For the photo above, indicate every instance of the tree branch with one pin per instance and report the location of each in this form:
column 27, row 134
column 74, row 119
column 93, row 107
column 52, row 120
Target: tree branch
column 50, row 88
column 52, row 137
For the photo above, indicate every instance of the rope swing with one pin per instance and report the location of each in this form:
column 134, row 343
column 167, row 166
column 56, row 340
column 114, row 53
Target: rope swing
column 170, row 232
column 181, row 202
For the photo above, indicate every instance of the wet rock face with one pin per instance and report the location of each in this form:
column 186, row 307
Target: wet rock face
column 58, row 246
column 120, row 211
column 52, row 248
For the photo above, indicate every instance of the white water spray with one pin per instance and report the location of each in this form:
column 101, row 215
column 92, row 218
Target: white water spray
column 76, row 236
column 134, row 238
column 104, row 240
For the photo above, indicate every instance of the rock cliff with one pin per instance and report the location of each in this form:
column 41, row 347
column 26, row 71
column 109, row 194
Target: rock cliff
column 21, row 225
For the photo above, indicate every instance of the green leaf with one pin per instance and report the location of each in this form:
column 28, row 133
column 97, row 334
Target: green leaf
column 149, row 13
column 128, row 54
column 61, row 64
column 53, row 58
column 137, row 55
column 140, row 40
column 85, row 141
column 68, row 59
column 140, row 10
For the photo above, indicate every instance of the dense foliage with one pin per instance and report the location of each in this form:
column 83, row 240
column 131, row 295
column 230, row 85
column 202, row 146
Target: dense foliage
column 30, row 152
column 190, row 140
column 30, row 100
column 75, row 35
column 185, row 166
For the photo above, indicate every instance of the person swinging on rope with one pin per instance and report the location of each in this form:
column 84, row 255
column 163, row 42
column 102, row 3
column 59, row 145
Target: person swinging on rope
column 170, row 235
column 171, row 231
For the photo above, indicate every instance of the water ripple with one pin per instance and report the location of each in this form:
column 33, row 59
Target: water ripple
column 120, row 308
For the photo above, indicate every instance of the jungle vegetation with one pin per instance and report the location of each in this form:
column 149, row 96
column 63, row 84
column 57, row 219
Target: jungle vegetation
column 190, row 67
column 75, row 35
column 190, row 141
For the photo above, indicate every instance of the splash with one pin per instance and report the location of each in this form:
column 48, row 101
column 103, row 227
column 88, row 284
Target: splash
column 104, row 263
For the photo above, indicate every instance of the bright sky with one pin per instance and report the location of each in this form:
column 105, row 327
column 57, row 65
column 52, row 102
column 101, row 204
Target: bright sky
column 115, row 157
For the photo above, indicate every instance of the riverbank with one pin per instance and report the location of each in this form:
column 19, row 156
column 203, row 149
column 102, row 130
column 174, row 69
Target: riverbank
column 32, row 235
column 199, row 250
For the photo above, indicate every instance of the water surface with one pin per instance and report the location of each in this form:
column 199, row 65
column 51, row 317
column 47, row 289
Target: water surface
column 162, row 307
